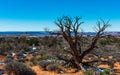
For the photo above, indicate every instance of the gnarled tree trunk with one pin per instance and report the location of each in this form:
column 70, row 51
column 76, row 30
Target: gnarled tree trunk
column 67, row 25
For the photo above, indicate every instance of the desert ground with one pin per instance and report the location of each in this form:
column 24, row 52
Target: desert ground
column 31, row 51
column 39, row 70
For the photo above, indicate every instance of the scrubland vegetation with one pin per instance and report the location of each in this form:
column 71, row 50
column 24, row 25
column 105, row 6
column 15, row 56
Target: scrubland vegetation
column 63, row 52
column 50, row 51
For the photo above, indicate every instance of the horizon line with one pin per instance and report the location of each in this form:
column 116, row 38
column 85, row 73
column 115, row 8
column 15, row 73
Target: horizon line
column 53, row 31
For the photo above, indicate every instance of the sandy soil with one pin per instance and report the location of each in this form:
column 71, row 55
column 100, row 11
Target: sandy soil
column 40, row 72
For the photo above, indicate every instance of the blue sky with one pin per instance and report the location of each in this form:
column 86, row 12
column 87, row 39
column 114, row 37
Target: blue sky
column 35, row 15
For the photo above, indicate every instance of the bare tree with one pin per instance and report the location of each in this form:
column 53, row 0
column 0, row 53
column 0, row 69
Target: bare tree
column 67, row 25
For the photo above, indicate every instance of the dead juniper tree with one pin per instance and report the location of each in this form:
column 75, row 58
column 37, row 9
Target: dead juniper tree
column 75, row 40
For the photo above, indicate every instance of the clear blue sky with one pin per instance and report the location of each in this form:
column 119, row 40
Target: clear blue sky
column 35, row 15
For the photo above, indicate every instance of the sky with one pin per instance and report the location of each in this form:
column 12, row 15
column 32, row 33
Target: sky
column 36, row 15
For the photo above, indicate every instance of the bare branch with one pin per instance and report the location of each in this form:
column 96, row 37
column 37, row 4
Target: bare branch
column 101, row 30
column 76, row 40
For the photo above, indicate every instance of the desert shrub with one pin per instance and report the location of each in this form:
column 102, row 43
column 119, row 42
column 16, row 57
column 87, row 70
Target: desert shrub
column 7, row 60
column 51, row 67
column 9, row 56
column 21, row 60
column 35, row 60
column 32, row 41
column 105, row 72
column 5, row 46
column 54, row 67
column 21, row 39
column 29, row 63
column 44, row 57
column 18, row 68
column 104, row 41
column 102, row 73
column 89, row 72
column 38, row 57
column 44, row 63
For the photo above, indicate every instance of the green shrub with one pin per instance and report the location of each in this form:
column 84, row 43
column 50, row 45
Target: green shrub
column 89, row 72
column 106, row 72
column 44, row 57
